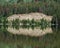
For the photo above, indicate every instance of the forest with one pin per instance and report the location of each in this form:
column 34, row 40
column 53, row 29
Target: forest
column 48, row 7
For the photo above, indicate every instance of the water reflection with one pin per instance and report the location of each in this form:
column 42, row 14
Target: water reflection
column 13, row 40
column 31, row 32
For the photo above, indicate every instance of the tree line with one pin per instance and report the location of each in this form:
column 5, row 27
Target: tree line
column 49, row 7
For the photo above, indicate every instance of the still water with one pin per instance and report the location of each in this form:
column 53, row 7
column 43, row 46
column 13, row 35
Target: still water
column 29, row 37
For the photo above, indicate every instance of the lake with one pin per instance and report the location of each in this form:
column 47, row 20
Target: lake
column 29, row 37
column 33, row 33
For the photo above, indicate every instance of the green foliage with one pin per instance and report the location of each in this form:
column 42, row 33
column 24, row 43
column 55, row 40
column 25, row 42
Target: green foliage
column 2, row 2
column 30, row 23
column 49, row 7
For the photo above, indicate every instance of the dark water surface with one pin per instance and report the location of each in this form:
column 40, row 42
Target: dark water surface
column 34, row 37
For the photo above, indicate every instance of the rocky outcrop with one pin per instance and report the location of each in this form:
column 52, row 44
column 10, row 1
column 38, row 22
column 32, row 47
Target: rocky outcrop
column 30, row 16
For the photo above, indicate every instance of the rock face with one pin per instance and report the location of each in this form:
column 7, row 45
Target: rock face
column 30, row 32
column 30, row 16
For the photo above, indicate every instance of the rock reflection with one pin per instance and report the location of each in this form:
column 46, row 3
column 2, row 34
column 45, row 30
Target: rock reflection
column 30, row 32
